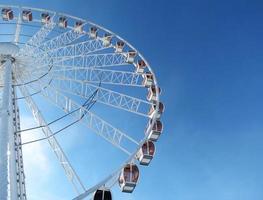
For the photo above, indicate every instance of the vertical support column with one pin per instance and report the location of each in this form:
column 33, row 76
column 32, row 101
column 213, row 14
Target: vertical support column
column 12, row 155
column 20, row 176
column 5, row 129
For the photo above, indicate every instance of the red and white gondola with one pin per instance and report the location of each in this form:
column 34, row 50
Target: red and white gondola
column 155, row 131
column 139, row 68
column 153, row 110
column 146, row 153
column 27, row 15
column 106, row 40
column 119, row 46
column 131, row 56
column 7, row 14
column 78, row 27
column 62, row 22
column 152, row 93
column 45, row 18
column 93, row 32
column 128, row 178
column 147, row 79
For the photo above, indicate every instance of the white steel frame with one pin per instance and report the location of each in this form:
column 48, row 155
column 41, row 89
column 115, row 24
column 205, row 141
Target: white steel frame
column 7, row 166
column 70, row 172
column 65, row 59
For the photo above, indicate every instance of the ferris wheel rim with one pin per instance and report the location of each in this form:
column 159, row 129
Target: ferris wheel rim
column 96, row 25
column 132, row 157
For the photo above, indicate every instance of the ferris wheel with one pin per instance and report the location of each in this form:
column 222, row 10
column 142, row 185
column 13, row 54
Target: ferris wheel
column 77, row 66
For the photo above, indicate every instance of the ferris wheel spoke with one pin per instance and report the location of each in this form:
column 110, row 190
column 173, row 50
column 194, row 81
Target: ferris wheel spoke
column 111, row 178
column 91, row 120
column 38, row 72
column 69, row 170
column 63, row 52
column 93, row 60
column 37, row 39
column 70, row 52
column 81, row 48
column 105, row 96
column 22, row 76
column 18, row 28
column 98, row 75
column 60, row 41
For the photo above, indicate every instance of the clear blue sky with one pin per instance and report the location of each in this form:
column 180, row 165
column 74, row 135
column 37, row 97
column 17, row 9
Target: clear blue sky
column 208, row 58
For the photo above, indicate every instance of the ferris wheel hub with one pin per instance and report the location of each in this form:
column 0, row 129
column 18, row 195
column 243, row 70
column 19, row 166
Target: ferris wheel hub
column 7, row 51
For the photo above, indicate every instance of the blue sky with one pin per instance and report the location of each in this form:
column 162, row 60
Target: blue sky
column 207, row 56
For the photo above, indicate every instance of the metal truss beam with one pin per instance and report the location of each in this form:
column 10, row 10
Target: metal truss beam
column 32, row 45
column 69, row 52
column 105, row 96
column 94, row 122
column 92, row 60
column 96, row 75
column 81, row 48
column 60, row 41
column 70, row 172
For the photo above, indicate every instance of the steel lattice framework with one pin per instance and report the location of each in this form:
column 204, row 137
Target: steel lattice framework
column 65, row 60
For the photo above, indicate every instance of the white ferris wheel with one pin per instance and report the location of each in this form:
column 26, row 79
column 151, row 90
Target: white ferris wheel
column 76, row 66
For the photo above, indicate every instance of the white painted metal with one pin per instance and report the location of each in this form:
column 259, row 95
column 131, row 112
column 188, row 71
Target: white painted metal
column 21, row 193
column 53, row 49
column 6, row 133
column 41, row 62
column 94, row 122
column 59, row 41
column 18, row 28
column 88, row 61
column 14, row 187
column 97, row 75
column 106, row 96
column 32, row 45
column 69, row 170
column 79, row 60
column 7, row 49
